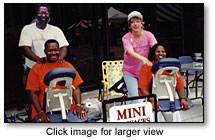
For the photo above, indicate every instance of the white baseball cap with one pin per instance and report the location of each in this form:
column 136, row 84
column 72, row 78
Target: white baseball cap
column 135, row 14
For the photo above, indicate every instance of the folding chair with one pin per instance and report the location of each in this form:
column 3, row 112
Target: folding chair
column 59, row 99
column 186, row 60
column 164, row 85
column 112, row 74
column 194, row 61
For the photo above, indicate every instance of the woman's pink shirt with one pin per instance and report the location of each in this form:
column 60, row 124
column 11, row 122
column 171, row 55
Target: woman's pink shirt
column 132, row 66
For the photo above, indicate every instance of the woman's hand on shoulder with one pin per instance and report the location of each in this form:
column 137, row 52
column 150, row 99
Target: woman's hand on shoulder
column 146, row 61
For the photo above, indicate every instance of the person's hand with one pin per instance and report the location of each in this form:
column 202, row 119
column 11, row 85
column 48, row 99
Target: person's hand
column 42, row 117
column 61, row 60
column 81, row 113
column 146, row 61
column 41, row 60
column 153, row 106
column 158, row 107
column 185, row 105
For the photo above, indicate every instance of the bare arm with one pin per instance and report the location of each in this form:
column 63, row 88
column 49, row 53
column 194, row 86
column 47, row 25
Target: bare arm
column 77, row 98
column 145, row 93
column 77, row 95
column 181, row 93
column 31, row 55
column 138, row 57
column 63, row 53
column 42, row 116
column 182, row 96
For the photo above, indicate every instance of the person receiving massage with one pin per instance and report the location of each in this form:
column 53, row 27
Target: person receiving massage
column 37, row 86
column 157, row 52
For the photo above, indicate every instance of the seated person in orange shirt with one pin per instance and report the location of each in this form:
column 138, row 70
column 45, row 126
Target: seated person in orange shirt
column 157, row 52
column 37, row 86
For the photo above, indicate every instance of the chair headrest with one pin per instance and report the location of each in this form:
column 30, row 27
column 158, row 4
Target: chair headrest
column 57, row 73
column 165, row 62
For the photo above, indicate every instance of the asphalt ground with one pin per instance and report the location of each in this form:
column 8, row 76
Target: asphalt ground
column 195, row 114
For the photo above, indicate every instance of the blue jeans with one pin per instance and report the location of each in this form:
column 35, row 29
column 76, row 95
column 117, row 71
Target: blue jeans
column 132, row 87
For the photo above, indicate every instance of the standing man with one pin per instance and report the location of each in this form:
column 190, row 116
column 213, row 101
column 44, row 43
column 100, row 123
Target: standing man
column 33, row 38
column 34, row 35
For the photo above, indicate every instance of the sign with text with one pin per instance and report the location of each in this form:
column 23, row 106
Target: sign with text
column 139, row 112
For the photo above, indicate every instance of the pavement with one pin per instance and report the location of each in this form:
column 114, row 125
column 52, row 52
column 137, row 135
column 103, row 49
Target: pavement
column 195, row 114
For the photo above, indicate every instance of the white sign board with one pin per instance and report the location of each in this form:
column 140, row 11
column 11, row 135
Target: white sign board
column 139, row 112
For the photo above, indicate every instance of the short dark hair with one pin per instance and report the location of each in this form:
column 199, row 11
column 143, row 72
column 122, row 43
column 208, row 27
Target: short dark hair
column 42, row 5
column 152, row 51
column 50, row 41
